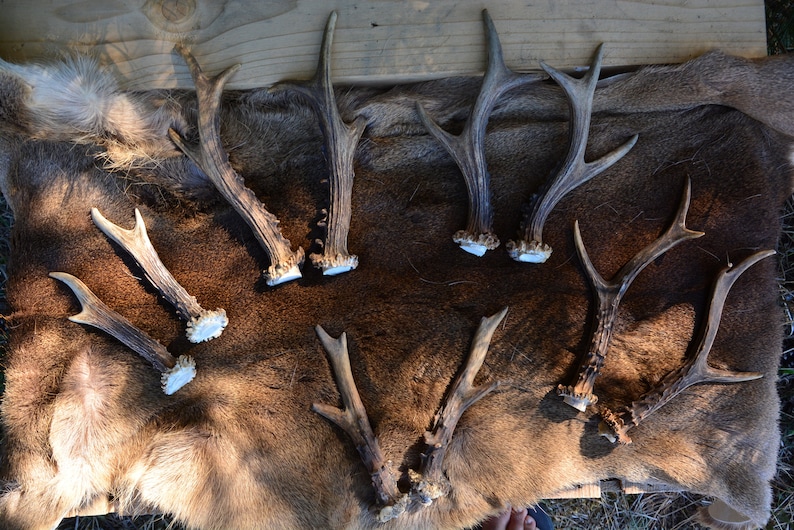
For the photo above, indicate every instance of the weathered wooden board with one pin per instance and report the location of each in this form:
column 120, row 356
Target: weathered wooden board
column 376, row 41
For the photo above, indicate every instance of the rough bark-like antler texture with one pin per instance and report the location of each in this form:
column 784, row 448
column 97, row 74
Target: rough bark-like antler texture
column 354, row 421
column 340, row 148
column 468, row 149
column 176, row 373
column 574, row 171
column 202, row 325
column 609, row 294
column 696, row 370
column 430, row 483
column 214, row 162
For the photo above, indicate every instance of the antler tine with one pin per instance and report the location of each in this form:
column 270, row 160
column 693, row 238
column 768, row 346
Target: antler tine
column 214, row 162
column 468, row 149
column 609, row 293
column 574, row 171
column 353, row 420
column 176, row 373
column 202, row 325
column 430, row 483
column 340, row 145
column 696, row 370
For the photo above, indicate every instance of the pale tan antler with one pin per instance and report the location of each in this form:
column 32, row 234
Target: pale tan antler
column 354, row 421
column 609, row 294
column 696, row 370
column 574, row 170
column 176, row 373
column 430, row 482
column 202, row 325
column 340, row 148
column 468, row 149
column 214, row 162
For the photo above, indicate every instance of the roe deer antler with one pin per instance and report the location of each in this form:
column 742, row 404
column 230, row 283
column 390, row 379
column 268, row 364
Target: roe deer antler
column 574, row 170
column 696, row 370
column 340, row 147
column 214, row 162
column 430, row 483
column 202, row 325
column 580, row 394
column 354, row 421
column 468, row 149
column 176, row 373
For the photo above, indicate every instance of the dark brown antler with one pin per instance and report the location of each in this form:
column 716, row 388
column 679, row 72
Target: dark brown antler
column 176, row 373
column 468, row 149
column 214, row 162
column 430, row 482
column 353, row 420
column 340, row 147
column 580, row 394
column 696, row 370
column 574, row 170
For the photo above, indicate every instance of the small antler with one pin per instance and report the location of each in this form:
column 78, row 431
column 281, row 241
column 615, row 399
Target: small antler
column 353, row 420
column 574, row 170
column 176, row 373
column 696, row 370
column 202, row 325
column 580, row 394
column 468, row 149
column 430, row 482
column 340, row 146
column 214, row 162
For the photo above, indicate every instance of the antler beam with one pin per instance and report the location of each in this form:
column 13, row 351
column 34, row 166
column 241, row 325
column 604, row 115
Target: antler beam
column 214, row 162
column 574, row 170
column 696, row 370
column 176, row 373
column 468, row 149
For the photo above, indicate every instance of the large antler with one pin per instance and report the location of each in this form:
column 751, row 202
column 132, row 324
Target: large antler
column 353, row 420
column 176, row 373
column 468, row 149
column 580, row 394
column 202, row 325
column 340, row 147
column 214, row 162
column 574, row 170
column 696, row 370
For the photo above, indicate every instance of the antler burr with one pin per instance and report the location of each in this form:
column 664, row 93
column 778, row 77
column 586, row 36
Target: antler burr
column 214, row 162
column 468, row 149
column 340, row 148
column 609, row 294
column 696, row 370
column 574, row 170
column 202, row 325
column 176, row 373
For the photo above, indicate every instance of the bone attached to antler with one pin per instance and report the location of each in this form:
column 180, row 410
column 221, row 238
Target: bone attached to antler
column 580, row 394
column 176, row 373
column 574, row 171
column 214, row 162
column 202, row 325
column 468, row 149
column 696, row 370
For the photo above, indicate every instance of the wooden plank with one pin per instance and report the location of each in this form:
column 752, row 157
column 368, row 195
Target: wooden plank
column 376, row 41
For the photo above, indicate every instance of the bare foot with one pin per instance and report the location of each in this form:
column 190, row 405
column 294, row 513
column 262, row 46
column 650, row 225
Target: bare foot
column 510, row 520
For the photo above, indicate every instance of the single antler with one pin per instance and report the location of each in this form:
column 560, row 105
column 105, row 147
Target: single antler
column 340, row 147
column 574, row 170
column 176, row 373
column 696, row 370
column 214, row 162
column 202, row 325
column 468, row 149
column 580, row 394
column 353, row 420
column 430, row 482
